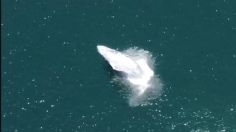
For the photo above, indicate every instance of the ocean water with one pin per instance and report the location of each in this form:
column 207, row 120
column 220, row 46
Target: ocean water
column 54, row 80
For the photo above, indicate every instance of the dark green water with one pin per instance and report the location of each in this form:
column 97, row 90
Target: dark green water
column 53, row 79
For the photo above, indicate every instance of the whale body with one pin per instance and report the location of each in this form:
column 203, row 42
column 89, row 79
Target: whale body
column 137, row 70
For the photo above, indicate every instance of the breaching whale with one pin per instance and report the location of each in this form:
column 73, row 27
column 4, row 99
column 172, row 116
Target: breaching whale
column 137, row 70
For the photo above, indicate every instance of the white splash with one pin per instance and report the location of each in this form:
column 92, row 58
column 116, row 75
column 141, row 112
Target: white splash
column 137, row 67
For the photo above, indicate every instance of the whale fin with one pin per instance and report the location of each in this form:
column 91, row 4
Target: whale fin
column 117, row 60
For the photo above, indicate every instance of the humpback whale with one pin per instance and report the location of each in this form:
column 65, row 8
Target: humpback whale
column 136, row 69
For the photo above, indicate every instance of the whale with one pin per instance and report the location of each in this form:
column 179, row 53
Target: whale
column 136, row 70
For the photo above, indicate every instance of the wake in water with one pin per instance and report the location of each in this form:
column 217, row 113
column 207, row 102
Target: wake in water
column 137, row 68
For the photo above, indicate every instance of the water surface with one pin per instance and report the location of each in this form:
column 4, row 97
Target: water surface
column 53, row 79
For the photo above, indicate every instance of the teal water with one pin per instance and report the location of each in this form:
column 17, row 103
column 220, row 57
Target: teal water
column 53, row 79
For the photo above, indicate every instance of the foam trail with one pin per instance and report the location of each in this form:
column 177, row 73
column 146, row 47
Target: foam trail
column 134, row 64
